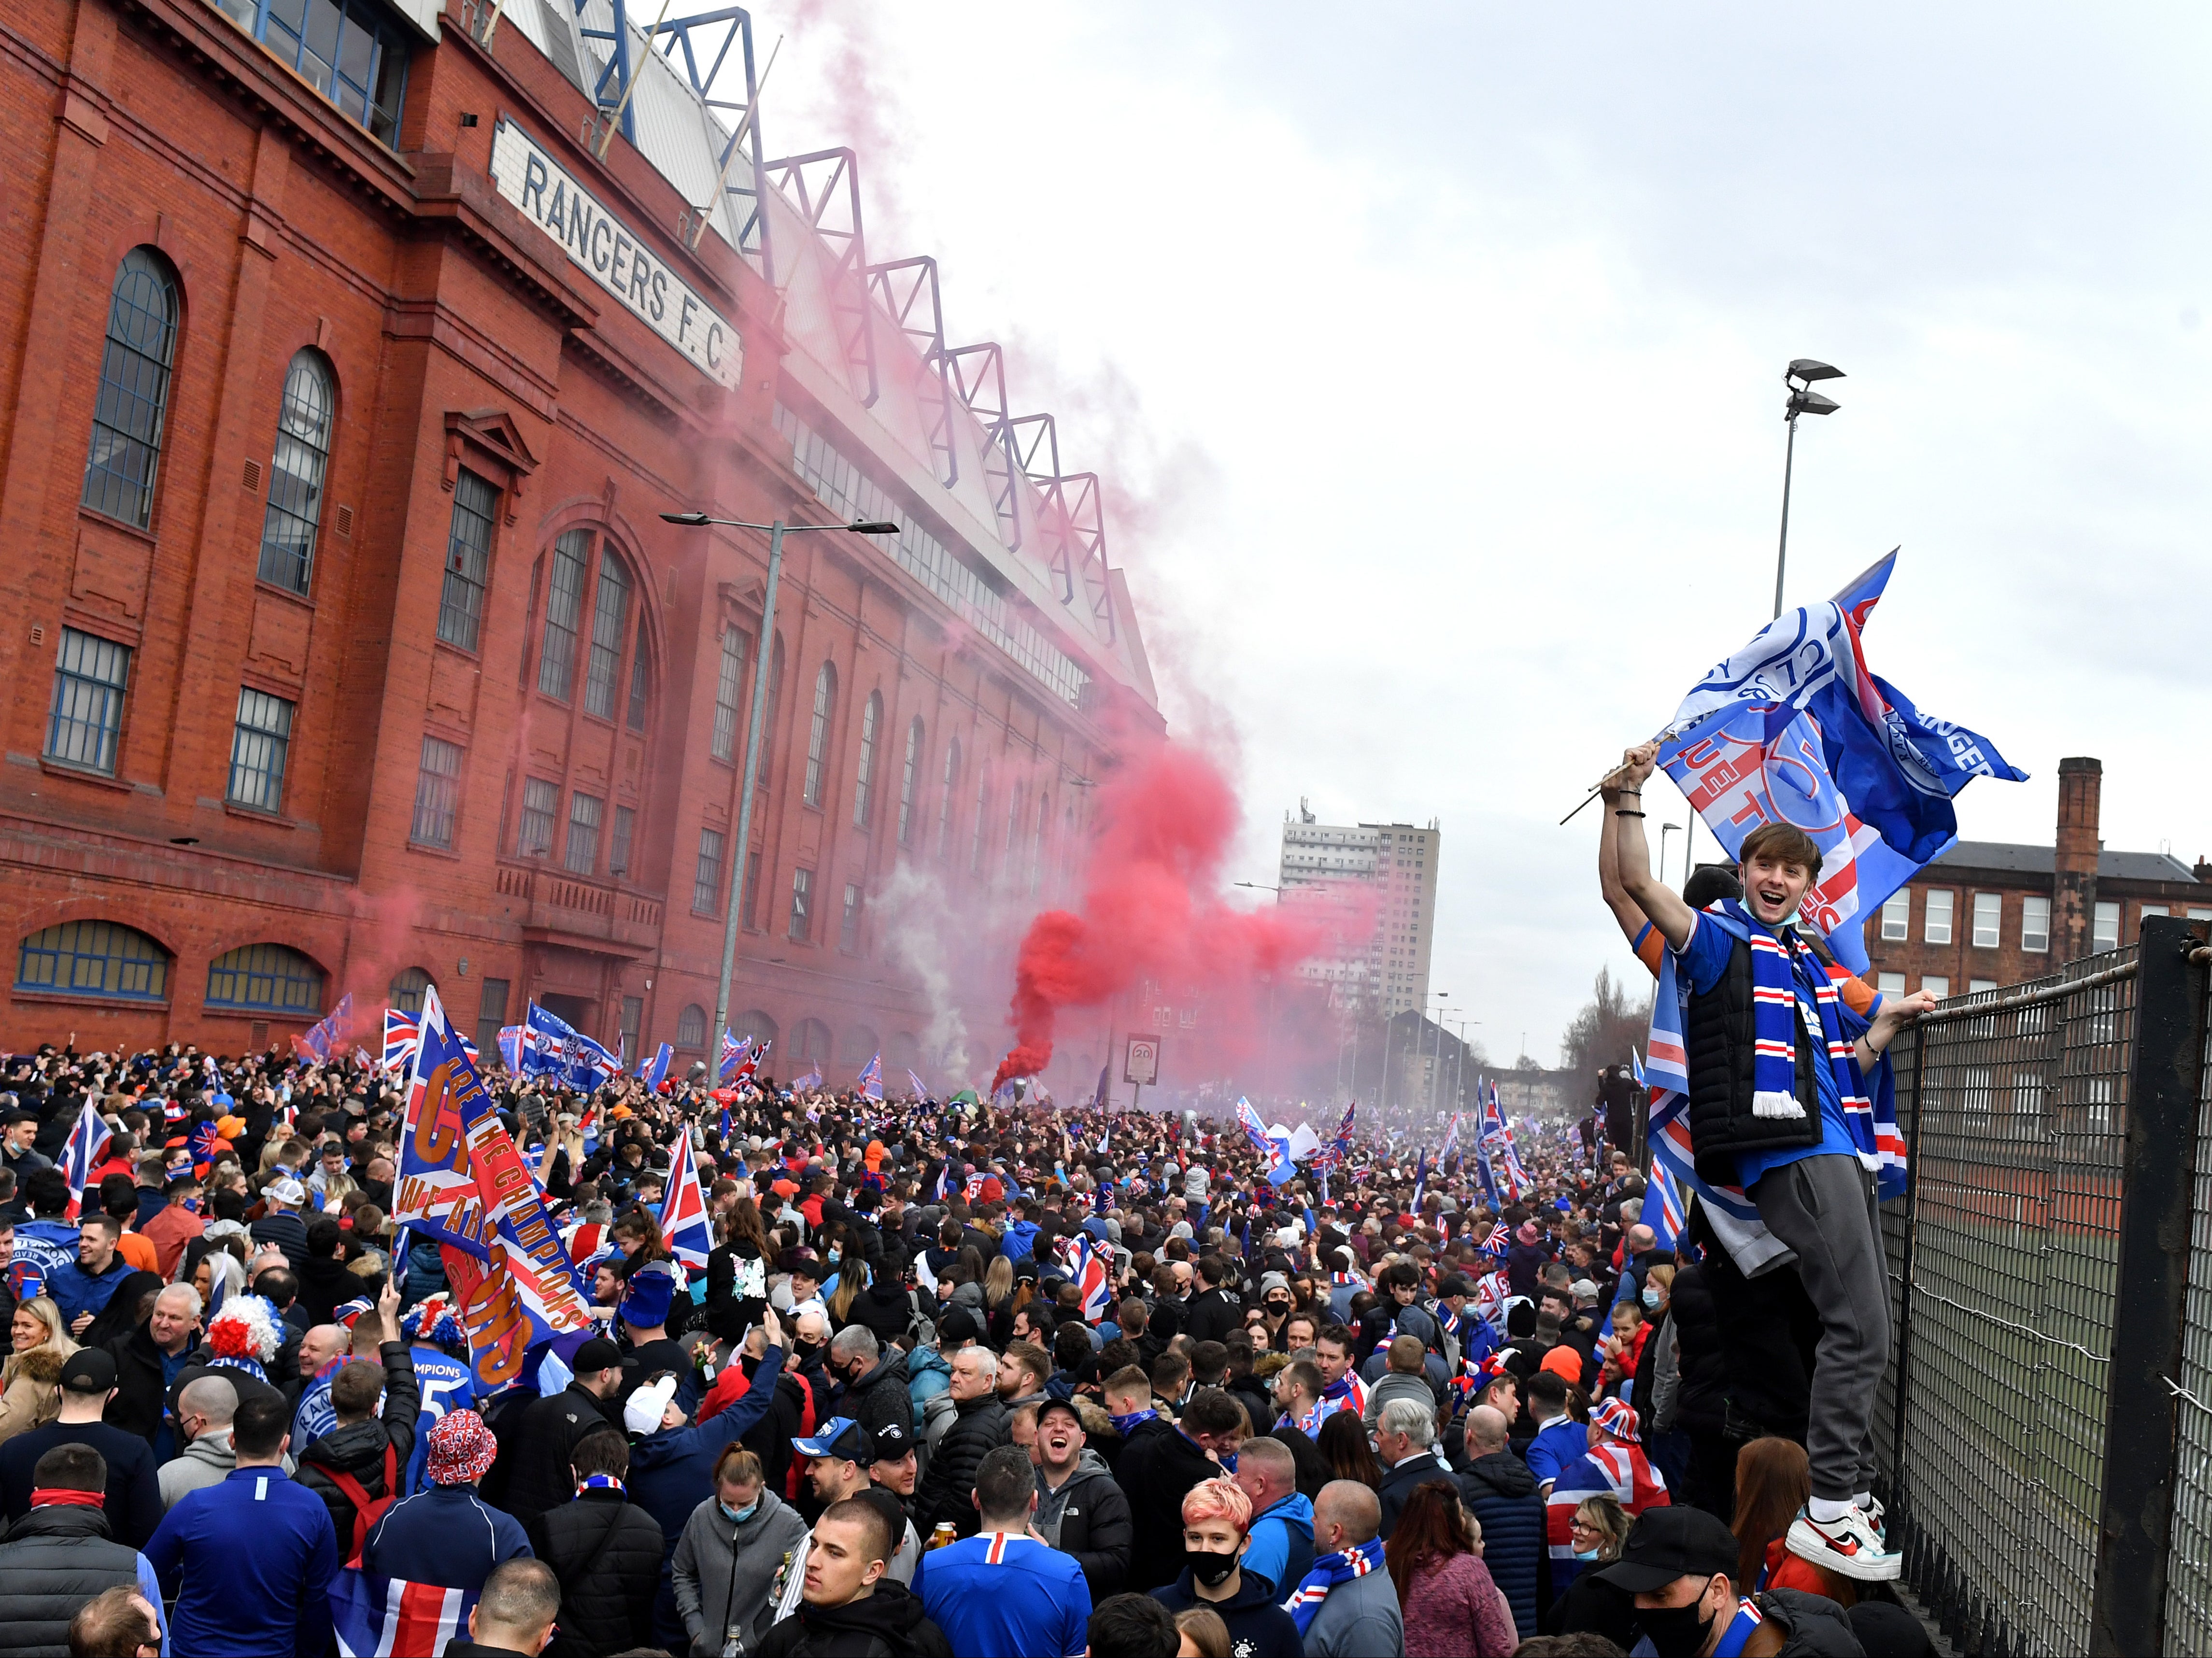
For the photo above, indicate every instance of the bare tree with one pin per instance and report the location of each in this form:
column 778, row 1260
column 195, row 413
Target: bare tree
column 1609, row 1024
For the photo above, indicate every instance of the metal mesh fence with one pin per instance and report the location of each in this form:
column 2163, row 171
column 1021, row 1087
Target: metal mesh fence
column 2188, row 1562
column 2004, row 1264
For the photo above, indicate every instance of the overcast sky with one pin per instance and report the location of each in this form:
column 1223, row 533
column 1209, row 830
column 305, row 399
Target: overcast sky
column 1432, row 355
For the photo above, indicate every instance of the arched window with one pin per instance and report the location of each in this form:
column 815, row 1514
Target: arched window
column 909, row 781
column 904, row 1056
column 564, row 610
column 818, row 740
column 756, row 1024
column 944, row 801
column 641, row 680
column 266, row 979
column 691, row 1026
column 610, row 627
column 134, row 389
column 729, row 680
column 863, row 786
column 295, row 474
column 94, row 958
column 407, row 988
column 810, row 1042
column 860, row 1046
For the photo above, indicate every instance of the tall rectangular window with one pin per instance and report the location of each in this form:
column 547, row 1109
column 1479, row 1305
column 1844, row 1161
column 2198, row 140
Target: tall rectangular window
column 848, row 929
column 1897, row 915
column 633, row 1016
column 437, row 796
column 491, row 1015
column 2035, row 924
column 344, row 49
column 610, row 622
column 468, row 561
column 751, row 908
column 727, row 678
column 1890, row 984
column 618, row 854
column 2107, row 935
column 564, row 608
column 90, row 674
column 134, row 390
column 1936, row 985
column 640, row 678
column 802, row 904
column 259, row 744
column 1989, row 919
column 706, row 881
column 582, row 855
column 1936, row 926
column 540, row 799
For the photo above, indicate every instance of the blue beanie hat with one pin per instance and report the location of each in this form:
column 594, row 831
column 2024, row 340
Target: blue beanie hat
column 652, row 1288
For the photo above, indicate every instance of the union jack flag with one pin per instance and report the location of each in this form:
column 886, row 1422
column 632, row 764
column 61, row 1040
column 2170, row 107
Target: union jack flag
column 872, row 1079
column 751, row 1062
column 1338, row 1150
column 588, row 1241
column 1668, row 1220
column 1088, row 1274
column 392, row 1618
column 655, row 1071
column 684, row 1210
column 87, row 1144
column 200, row 1145
column 403, row 1035
column 811, row 1079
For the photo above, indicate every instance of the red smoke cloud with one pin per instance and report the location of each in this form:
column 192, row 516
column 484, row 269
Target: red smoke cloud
column 1151, row 908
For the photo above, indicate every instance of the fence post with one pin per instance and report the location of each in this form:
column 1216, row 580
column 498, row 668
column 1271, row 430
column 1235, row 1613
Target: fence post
column 2134, row 1519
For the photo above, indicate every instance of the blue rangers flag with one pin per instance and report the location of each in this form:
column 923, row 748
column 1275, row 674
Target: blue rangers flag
column 88, row 1144
column 921, row 1088
column 1420, row 1179
column 872, row 1079
column 329, row 1035
column 655, row 1071
column 1795, row 728
column 551, row 1046
column 1666, row 1220
column 510, row 1048
column 1277, row 1142
column 811, row 1079
column 733, row 1052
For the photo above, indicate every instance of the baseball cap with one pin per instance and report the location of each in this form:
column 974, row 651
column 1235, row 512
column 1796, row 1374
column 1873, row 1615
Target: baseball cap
column 1067, row 1405
column 1582, row 1289
column 1665, row 1543
column 597, row 1354
column 642, row 1414
column 840, row 1439
column 893, row 1442
column 288, row 1190
column 88, row 1370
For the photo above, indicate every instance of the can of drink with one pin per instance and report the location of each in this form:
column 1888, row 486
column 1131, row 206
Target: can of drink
column 940, row 1534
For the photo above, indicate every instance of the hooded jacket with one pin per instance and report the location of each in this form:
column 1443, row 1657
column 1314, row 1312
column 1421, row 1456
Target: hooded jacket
column 719, row 1564
column 55, row 1559
column 206, row 1461
column 31, row 1400
column 606, row 1552
column 890, row 1620
column 358, row 1447
column 1282, row 1545
column 1258, row 1626
column 1094, row 1525
column 446, row 1535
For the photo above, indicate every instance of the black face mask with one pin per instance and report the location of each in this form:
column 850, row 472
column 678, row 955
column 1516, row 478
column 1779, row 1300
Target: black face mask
column 805, row 1351
column 1278, row 1308
column 1208, row 1568
column 1677, row 1631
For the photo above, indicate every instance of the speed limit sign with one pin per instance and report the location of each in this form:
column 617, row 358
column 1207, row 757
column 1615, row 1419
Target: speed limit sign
column 1142, row 1065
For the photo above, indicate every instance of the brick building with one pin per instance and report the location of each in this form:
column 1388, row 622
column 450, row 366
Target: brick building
column 1990, row 913
column 353, row 348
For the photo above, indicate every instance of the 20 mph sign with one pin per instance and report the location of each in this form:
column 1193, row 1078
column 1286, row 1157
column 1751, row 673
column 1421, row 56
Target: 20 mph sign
column 1142, row 1065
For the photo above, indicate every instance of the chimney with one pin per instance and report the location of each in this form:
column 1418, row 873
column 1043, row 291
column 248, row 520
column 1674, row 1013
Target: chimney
column 2073, row 887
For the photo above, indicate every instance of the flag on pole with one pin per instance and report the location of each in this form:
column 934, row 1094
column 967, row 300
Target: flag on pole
column 655, row 1071
column 551, row 1046
column 684, row 1210
column 734, row 1050
column 751, row 1062
column 510, row 1048
column 811, row 1079
column 401, row 1033
column 921, row 1088
column 88, row 1144
column 1796, row 728
column 328, row 1035
column 1420, row 1179
column 1087, row 1271
column 872, row 1079
column 1100, row 1095
column 1666, row 1220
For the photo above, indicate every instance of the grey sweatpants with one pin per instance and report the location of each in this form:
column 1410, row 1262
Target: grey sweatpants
column 1824, row 1208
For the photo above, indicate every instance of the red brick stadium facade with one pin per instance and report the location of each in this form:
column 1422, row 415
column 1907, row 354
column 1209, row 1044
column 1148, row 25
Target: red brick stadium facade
column 346, row 648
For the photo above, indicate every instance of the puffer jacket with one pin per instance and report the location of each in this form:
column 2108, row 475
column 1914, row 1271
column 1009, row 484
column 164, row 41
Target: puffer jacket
column 1514, row 1546
column 55, row 1559
column 714, row 1556
column 1816, row 1627
column 881, row 1397
column 606, row 1552
column 979, row 1426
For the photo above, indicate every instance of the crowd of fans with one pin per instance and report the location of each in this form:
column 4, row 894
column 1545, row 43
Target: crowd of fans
column 975, row 1379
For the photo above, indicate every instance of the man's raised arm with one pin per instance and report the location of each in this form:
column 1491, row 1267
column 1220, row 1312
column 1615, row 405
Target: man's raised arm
column 1623, row 806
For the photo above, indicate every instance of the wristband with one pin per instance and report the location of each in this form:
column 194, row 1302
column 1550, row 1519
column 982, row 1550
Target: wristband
column 1628, row 814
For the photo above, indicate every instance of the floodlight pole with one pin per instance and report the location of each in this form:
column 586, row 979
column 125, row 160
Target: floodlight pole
column 742, row 842
column 1782, row 551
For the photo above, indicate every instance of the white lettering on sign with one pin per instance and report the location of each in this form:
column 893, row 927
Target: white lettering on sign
column 614, row 257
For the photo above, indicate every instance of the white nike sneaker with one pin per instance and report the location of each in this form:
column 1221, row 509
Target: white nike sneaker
column 1852, row 1546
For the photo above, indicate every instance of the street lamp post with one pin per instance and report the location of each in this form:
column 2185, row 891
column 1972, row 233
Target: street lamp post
column 1265, row 1066
column 1437, row 1063
column 1803, row 400
column 763, row 662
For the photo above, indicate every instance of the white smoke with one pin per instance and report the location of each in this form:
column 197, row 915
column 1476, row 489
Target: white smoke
column 919, row 927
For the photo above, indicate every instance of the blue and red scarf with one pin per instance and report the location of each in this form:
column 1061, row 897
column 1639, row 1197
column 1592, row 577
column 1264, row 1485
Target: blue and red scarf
column 1328, row 1572
column 1733, row 1639
column 1775, row 982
